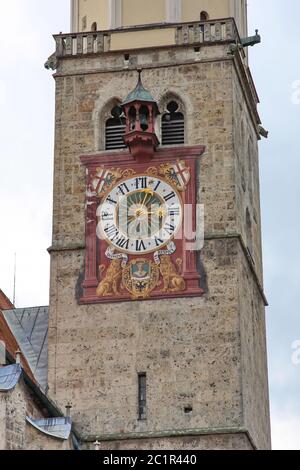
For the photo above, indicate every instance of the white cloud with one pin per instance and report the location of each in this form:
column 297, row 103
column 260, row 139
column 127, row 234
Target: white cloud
column 17, row 39
column 285, row 429
column 2, row 92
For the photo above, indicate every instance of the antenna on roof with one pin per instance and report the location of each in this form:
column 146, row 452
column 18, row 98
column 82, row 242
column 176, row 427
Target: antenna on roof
column 15, row 279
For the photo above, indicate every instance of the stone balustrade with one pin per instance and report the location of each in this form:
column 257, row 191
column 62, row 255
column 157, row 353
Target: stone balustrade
column 195, row 33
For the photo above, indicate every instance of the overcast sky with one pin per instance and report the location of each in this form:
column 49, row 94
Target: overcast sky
column 26, row 150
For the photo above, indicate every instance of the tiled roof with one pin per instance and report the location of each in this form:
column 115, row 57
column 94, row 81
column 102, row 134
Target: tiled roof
column 9, row 377
column 139, row 94
column 12, row 345
column 5, row 303
column 54, row 427
column 30, row 328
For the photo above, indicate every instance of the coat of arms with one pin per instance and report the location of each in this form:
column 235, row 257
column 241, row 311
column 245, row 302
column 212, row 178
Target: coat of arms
column 102, row 180
column 140, row 278
column 177, row 174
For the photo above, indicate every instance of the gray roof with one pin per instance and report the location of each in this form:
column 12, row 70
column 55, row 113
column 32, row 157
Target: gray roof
column 9, row 377
column 59, row 428
column 30, row 328
column 140, row 94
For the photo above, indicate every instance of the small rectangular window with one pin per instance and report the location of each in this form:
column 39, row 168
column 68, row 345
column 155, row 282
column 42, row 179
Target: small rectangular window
column 142, row 398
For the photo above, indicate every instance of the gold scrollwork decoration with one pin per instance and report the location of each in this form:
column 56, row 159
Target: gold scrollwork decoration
column 128, row 173
column 152, row 171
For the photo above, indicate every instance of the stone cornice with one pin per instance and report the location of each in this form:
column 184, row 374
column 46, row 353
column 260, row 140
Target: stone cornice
column 170, row 434
column 71, row 247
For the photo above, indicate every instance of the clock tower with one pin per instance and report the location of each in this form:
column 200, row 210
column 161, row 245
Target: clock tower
column 157, row 311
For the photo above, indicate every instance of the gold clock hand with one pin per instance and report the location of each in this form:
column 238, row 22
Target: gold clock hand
column 147, row 191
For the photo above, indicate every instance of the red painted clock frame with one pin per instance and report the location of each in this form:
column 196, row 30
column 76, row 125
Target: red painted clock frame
column 96, row 248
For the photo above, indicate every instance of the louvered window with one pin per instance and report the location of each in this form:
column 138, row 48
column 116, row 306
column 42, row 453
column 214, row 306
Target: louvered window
column 173, row 127
column 115, row 130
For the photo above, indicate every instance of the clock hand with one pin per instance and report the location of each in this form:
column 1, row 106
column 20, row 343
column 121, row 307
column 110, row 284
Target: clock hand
column 147, row 191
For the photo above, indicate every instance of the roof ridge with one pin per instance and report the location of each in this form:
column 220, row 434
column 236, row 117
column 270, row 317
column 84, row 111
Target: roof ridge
column 5, row 302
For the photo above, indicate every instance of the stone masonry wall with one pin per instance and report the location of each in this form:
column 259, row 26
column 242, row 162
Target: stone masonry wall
column 247, row 178
column 191, row 348
column 36, row 440
column 254, row 358
column 2, row 421
column 15, row 418
column 15, row 432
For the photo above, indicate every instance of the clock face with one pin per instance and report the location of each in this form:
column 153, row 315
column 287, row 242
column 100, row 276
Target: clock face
column 140, row 215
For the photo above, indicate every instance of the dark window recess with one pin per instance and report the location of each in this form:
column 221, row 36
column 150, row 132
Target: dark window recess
column 173, row 127
column 204, row 16
column 115, row 130
column 94, row 26
column 188, row 410
column 142, row 396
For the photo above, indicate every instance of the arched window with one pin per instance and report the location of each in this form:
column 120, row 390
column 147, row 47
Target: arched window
column 173, row 126
column 204, row 16
column 94, row 26
column 115, row 129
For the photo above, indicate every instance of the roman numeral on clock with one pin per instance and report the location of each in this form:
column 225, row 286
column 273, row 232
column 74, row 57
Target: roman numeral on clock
column 172, row 211
column 170, row 229
column 140, row 245
column 107, row 217
column 169, row 196
column 141, row 183
column 158, row 241
column 123, row 188
column 112, row 232
column 123, row 243
column 111, row 201
column 157, row 186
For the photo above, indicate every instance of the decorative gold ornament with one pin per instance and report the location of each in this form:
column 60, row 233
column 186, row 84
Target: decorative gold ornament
column 128, row 173
column 104, row 179
column 152, row 171
column 177, row 174
column 173, row 281
column 140, row 278
column 110, row 284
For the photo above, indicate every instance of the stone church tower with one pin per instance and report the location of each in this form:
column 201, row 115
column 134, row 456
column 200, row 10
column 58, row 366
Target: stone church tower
column 155, row 343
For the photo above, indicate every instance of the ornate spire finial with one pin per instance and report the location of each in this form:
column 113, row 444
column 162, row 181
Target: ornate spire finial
column 97, row 445
column 68, row 410
column 18, row 356
column 140, row 75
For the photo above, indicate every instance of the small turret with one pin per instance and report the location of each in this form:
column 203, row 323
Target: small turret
column 141, row 111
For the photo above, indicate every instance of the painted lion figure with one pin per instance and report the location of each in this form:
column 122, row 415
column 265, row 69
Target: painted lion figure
column 173, row 281
column 111, row 282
